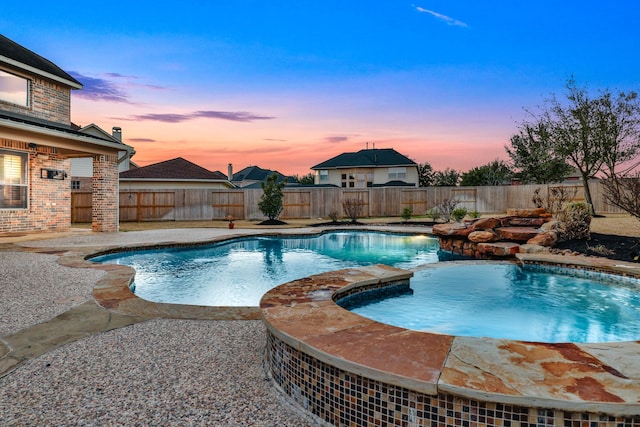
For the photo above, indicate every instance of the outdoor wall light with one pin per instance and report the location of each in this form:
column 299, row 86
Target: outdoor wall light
column 52, row 174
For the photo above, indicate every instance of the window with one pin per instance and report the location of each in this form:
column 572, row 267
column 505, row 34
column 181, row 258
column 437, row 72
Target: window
column 324, row 175
column 75, row 185
column 358, row 178
column 13, row 180
column 397, row 173
column 14, row 89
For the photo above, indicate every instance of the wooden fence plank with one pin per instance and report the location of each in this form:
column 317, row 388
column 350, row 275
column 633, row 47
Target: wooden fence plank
column 321, row 202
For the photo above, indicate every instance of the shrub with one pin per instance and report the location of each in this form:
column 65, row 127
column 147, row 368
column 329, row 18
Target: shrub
column 458, row 214
column 406, row 214
column 334, row 216
column 624, row 192
column 474, row 214
column 434, row 214
column 575, row 221
column 353, row 208
column 446, row 207
column 555, row 200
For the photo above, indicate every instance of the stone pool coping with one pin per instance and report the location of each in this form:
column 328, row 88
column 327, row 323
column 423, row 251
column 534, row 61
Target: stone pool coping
column 616, row 370
column 584, row 378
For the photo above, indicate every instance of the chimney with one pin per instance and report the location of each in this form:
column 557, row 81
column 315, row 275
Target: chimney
column 230, row 171
column 116, row 132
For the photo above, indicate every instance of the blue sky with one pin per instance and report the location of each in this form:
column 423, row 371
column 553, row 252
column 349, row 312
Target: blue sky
column 287, row 85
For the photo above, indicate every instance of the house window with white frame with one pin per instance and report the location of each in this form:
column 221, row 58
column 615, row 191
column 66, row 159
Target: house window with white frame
column 398, row 173
column 14, row 187
column 323, row 175
column 14, row 89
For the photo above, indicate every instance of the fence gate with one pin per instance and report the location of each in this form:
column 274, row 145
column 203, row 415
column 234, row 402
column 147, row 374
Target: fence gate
column 416, row 200
column 81, row 206
column 296, row 204
column 147, row 206
column 466, row 198
column 225, row 203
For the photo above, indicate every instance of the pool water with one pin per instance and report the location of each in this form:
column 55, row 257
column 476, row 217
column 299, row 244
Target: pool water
column 238, row 272
column 505, row 301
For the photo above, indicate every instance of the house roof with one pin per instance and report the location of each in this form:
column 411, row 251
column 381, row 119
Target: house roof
column 19, row 122
column 174, row 169
column 376, row 157
column 20, row 57
column 255, row 173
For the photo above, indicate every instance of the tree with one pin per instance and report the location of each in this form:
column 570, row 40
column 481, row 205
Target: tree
column 425, row 174
column 533, row 157
column 446, row 178
column 592, row 134
column 308, row 179
column 624, row 192
column 496, row 172
column 271, row 201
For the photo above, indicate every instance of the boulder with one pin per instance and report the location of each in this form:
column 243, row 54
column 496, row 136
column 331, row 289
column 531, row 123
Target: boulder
column 532, row 249
column 486, row 224
column 528, row 213
column 483, row 236
column 528, row 222
column 517, row 234
column 547, row 238
column 550, row 225
column 499, row 249
column 451, row 230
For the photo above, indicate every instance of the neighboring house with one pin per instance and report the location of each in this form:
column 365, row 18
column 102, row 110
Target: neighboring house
column 37, row 143
column 82, row 169
column 172, row 174
column 368, row 168
column 251, row 176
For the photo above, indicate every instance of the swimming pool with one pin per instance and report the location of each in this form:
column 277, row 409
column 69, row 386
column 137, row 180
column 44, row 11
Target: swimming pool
column 507, row 301
column 238, row 272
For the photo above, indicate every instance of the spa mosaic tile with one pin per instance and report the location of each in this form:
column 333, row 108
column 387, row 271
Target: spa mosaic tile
column 341, row 398
column 348, row 372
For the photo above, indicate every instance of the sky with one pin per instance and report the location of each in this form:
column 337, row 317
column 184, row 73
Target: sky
column 286, row 85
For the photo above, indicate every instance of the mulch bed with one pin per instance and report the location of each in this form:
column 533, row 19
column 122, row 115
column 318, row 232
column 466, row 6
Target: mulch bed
column 605, row 245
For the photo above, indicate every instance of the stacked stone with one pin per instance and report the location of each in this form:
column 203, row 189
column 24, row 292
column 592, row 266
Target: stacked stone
column 522, row 230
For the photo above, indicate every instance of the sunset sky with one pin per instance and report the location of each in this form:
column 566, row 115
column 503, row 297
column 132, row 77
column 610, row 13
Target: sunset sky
column 286, row 85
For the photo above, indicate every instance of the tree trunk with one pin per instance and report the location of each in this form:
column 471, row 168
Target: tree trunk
column 587, row 194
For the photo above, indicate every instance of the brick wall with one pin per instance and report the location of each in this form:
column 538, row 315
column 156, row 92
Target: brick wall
column 105, row 198
column 48, row 101
column 49, row 199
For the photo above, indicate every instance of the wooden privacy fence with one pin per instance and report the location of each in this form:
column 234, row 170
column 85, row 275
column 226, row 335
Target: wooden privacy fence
column 312, row 202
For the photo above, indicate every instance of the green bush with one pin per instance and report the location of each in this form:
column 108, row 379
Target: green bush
column 458, row 214
column 406, row 214
column 434, row 214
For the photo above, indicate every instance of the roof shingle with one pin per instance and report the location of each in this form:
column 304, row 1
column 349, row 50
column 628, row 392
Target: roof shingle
column 20, row 54
column 177, row 168
column 367, row 158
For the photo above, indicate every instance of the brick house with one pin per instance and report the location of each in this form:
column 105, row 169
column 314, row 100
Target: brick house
column 37, row 143
column 368, row 168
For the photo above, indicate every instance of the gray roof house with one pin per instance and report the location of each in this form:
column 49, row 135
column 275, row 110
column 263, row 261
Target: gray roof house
column 368, row 168
column 251, row 176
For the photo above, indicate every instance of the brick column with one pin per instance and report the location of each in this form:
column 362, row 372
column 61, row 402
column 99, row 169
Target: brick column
column 105, row 214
